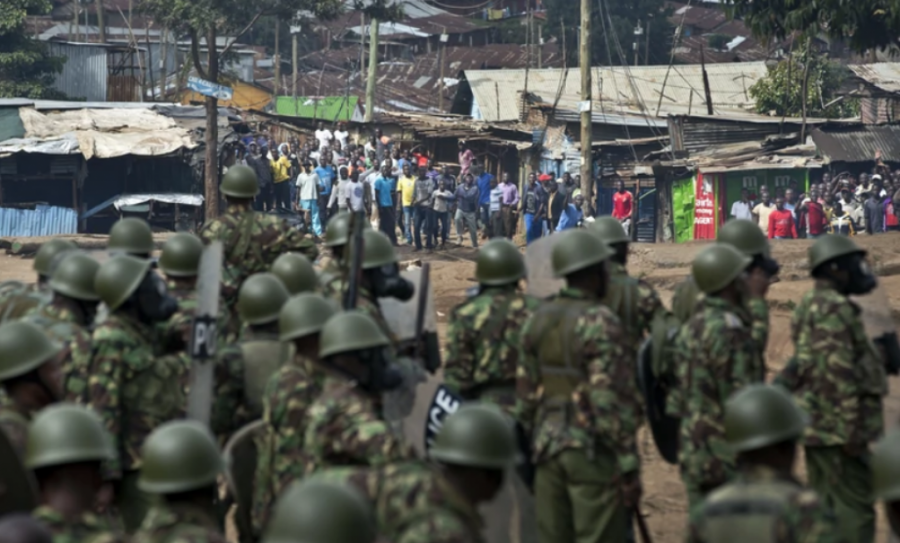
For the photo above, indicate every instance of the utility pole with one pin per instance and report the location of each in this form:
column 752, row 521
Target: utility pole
column 277, row 61
column 373, row 71
column 101, row 26
column 295, row 32
column 706, row 91
column 442, row 58
column 637, row 43
column 587, row 170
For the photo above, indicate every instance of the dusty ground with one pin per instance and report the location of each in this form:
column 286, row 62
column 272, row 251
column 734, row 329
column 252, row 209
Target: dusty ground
column 664, row 266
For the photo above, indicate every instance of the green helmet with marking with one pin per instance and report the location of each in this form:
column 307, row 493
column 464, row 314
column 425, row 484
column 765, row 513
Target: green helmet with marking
column 296, row 272
column 304, row 315
column 476, row 435
column 717, row 266
column 610, row 230
column 759, row 416
column 131, row 236
column 118, row 278
column 499, row 263
column 24, row 347
column 48, row 253
column 319, row 511
column 74, row 277
column 830, row 247
column 745, row 236
column 67, row 434
column 350, row 331
column 260, row 298
column 181, row 255
column 179, row 456
column 577, row 250
column 240, row 182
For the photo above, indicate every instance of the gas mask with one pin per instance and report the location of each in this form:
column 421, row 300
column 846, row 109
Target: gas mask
column 861, row 280
column 388, row 283
column 153, row 301
column 384, row 375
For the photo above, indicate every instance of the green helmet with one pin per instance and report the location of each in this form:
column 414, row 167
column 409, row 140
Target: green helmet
column 745, row 236
column 261, row 297
column 179, row 456
column 577, row 250
column 23, row 348
column 350, row 331
column 74, row 277
column 717, row 266
column 118, row 278
column 338, row 230
column 67, row 434
column 476, row 435
column 317, row 511
column 762, row 415
column 47, row 253
column 377, row 250
column 499, row 263
column 610, row 230
column 296, row 272
column 131, row 236
column 886, row 467
column 304, row 315
column 181, row 255
column 829, row 247
column 240, row 182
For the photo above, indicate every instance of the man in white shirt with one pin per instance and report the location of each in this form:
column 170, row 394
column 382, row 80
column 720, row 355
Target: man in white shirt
column 741, row 208
column 341, row 134
column 339, row 194
column 323, row 136
column 308, row 193
column 354, row 193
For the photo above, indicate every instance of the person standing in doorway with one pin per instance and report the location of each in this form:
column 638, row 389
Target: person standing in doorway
column 741, row 209
column 508, row 205
column 466, row 156
column 763, row 209
column 623, row 206
column 781, row 222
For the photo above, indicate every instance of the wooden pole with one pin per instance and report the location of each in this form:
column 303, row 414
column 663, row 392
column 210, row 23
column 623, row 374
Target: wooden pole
column 294, row 61
column 706, row 91
column 277, row 61
column 100, row 22
column 441, row 53
column 373, row 71
column 587, row 171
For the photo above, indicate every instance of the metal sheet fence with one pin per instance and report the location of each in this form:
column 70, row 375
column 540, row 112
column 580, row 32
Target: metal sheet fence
column 43, row 220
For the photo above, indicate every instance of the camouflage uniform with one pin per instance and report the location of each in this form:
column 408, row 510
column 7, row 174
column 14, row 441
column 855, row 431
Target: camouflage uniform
column 838, row 378
column 344, row 428
column 633, row 300
column 14, row 424
column 801, row 515
column 18, row 300
column 715, row 355
column 178, row 524
column 61, row 325
column 483, row 339
column 90, row 528
column 252, row 242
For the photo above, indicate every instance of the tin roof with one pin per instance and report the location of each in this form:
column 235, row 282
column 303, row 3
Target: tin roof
column 858, row 143
column 883, row 75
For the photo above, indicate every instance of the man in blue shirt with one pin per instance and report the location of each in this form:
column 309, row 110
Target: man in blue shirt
column 483, row 180
column 572, row 214
column 326, row 177
column 384, row 196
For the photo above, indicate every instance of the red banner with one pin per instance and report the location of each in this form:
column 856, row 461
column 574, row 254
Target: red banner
column 705, row 207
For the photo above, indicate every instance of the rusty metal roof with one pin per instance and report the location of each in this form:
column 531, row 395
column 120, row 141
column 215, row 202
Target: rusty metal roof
column 858, row 143
column 883, row 75
column 699, row 17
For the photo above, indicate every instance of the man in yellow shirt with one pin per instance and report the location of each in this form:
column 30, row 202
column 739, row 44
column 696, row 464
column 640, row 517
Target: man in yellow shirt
column 281, row 172
column 406, row 185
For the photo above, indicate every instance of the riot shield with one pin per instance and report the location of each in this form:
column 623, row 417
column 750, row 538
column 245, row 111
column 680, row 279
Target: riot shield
column 444, row 403
column 240, row 461
column 539, row 261
column 18, row 489
column 880, row 328
column 204, row 338
column 663, row 427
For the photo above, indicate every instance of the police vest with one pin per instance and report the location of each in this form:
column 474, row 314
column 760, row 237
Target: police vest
column 743, row 512
column 262, row 358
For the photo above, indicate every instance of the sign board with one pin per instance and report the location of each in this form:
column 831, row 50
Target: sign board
column 444, row 404
column 203, row 333
column 207, row 88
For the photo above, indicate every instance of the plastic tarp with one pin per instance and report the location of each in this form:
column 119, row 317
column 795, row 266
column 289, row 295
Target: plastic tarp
column 127, row 200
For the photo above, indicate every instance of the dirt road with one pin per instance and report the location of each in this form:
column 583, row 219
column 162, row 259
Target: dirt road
column 664, row 266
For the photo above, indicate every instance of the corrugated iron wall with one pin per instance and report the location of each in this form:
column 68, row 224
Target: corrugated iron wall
column 693, row 134
column 84, row 75
column 43, row 220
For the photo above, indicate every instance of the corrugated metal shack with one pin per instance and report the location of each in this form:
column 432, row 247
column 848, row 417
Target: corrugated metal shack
column 98, row 72
column 852, row 147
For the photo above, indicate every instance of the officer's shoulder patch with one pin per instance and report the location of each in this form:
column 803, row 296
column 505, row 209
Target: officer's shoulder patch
column 732, row 320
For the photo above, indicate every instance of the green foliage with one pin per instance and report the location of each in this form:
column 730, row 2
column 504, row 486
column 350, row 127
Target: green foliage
column 26, row 68
column 781, row 91
column 719, row 42
column 865, row 24
column 612, row 36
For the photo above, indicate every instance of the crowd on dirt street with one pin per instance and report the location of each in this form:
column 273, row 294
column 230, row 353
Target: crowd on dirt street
column 263, row 373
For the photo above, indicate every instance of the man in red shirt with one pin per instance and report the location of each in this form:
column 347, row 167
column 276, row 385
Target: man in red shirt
column 623, row 204
column 816, row 220
column 781, row 222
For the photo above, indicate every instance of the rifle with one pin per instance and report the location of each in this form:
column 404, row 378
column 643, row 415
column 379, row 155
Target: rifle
column 353, row 255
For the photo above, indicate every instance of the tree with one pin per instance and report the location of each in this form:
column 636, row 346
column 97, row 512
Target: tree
column 27, row 70
column 204, row 21
column 614, row 22
column 781, row 91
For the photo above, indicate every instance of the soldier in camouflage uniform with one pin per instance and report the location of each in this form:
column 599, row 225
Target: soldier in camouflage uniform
column 180, row 262
column 334, row 268
column 296, row 272
column 30, row 375
column 318, row 511
column 252, row 240
column 838, row 377
column 69, row 317
column 288, row 395
column 18, row 299
column 131, row 236
column 438, row 501
column 181, row 467
column 632, row 299
column 66, row 444
column 715, row 355
column 344, row 425
column 577, row 398
column 133, row 388
column 764, row 503
column 886, row 478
